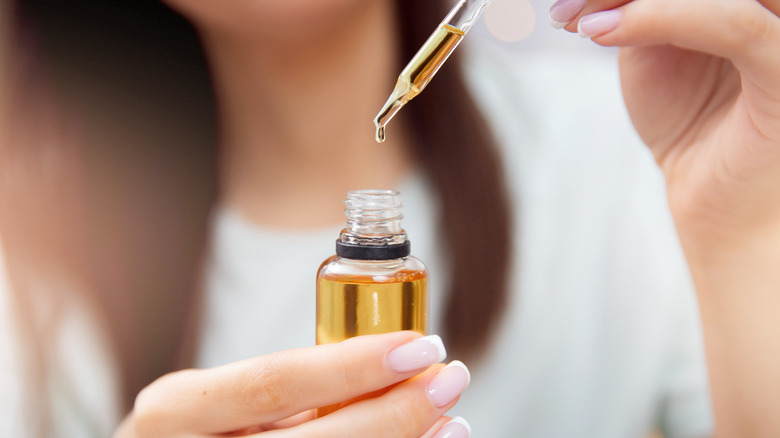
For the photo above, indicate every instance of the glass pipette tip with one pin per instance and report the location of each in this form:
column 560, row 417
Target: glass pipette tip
column 424, row 65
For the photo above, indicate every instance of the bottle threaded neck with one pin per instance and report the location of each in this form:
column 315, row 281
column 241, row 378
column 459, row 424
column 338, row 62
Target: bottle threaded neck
column 373, row 230
column 373, row 212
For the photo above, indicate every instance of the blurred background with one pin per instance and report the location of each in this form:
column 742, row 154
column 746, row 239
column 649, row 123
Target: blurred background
column 524, row 25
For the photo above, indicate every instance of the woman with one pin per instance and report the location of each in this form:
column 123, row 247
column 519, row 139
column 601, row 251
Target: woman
column 280, row 70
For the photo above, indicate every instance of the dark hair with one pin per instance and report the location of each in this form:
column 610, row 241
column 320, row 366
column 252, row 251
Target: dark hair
column 136, row 71
column 457, row 149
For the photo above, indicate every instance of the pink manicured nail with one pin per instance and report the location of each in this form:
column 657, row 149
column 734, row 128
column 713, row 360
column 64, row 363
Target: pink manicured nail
column 563, row 11
column 599, row 23
column 449, row 383
column 458, row 427
column 417, row 354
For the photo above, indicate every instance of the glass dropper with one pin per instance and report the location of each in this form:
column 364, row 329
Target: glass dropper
column 429, row 59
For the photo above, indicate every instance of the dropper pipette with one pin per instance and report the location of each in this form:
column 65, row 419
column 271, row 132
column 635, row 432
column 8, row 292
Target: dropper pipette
column 429, row 59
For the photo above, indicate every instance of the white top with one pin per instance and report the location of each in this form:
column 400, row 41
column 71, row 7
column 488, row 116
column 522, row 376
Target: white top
column 81, row 379
column 601, row 337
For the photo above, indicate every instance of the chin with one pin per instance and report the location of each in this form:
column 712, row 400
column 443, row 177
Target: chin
column 270, row 18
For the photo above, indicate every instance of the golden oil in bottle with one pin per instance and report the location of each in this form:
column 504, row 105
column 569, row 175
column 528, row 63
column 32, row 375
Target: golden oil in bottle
column 372, row 285
column 392, row 296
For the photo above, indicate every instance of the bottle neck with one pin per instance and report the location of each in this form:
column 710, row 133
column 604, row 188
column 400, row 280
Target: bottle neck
column 373, row 230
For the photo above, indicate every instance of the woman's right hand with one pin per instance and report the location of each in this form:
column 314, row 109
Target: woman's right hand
column 275, row 395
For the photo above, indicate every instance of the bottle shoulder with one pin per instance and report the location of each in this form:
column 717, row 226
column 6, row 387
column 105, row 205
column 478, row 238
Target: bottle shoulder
column 374, row 271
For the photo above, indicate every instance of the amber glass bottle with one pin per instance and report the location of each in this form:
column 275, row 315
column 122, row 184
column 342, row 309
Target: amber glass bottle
column 372, row 285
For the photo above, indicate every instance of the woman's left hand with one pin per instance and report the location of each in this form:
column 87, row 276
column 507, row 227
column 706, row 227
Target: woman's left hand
column 701, row 80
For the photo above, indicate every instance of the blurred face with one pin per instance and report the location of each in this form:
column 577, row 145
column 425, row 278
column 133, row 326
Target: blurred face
column 271, row 19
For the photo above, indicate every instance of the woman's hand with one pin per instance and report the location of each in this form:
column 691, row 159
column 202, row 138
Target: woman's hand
column 701, row 79
column 275, row 395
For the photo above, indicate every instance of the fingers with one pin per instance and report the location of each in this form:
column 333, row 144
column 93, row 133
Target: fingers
column 567, row 13
column 456, row 427
column 740, row 30
column 718, row 27
column 408, row 410
column 744, row 31
column 434, row 429
column 274, row 387
column 735, row 29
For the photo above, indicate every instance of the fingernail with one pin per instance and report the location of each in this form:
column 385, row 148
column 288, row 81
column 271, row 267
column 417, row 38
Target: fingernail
column 449, row 383
column 415, row 355
column 563, row 11
column 599, row 23
column 458, row 427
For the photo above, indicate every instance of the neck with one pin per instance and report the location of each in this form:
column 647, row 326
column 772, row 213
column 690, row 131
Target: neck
column 296, row 119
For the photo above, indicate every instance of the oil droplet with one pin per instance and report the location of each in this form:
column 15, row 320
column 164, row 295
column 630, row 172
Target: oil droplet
column 380, row 134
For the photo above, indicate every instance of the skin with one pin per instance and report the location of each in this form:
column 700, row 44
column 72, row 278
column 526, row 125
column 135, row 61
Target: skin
column 274, row 396
column 282, row 71
column 700, row 79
